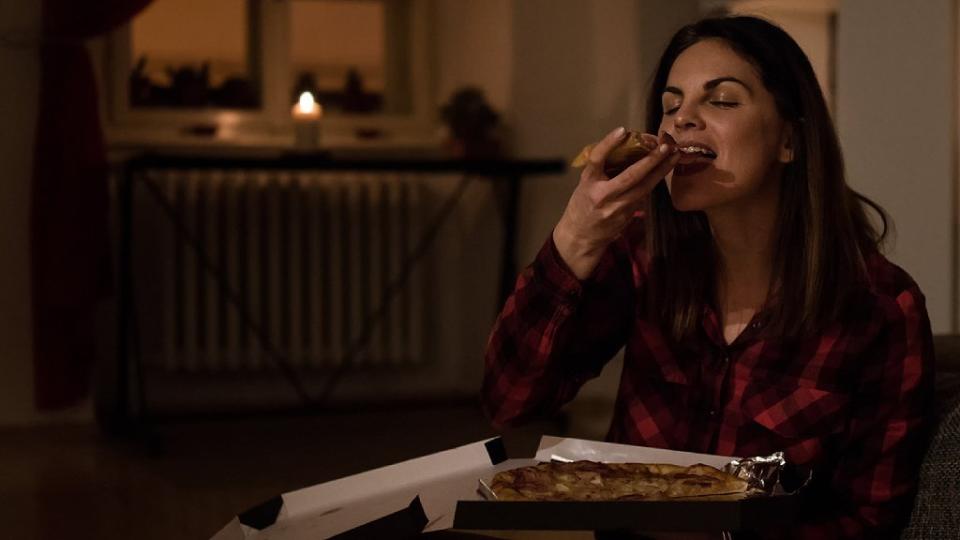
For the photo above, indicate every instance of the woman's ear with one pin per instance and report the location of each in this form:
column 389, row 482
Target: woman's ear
column 786, row 143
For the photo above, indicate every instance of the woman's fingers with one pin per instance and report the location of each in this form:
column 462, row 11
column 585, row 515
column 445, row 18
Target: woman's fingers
column 599, row 208
column 600, row 150
column 648, row 170
column 650, row 139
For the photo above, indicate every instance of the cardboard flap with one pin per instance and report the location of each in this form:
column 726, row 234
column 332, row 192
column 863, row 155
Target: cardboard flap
column 426, row 488
column 231, row 531
column 566, row 449
column 404, row 523
column 263, row 515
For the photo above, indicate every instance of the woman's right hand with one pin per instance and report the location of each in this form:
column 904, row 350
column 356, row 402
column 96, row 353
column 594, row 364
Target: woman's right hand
column 601, row 207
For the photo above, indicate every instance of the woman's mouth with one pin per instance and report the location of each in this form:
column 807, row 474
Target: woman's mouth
column 694, row 157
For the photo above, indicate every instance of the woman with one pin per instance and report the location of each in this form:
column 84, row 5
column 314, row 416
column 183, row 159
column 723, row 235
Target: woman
column 757, row 312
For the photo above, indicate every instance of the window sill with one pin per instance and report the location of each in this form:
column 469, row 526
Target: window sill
column 154, row 138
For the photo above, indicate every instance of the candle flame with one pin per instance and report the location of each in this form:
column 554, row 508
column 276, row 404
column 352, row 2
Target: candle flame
column 306, row 103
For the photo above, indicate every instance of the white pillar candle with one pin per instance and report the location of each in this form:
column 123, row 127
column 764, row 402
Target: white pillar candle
column 306, row 115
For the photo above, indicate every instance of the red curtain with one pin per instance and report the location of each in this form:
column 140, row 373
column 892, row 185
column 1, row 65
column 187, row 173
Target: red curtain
column 70, row 257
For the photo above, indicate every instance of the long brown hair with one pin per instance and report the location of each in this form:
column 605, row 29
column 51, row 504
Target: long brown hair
column 823, row 233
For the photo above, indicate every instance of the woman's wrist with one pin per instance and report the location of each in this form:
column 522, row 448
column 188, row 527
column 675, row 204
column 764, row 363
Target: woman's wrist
column 579, row 254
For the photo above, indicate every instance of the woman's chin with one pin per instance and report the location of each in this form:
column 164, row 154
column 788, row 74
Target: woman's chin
column 686, row 199
column 696, row 192
column 687, row 204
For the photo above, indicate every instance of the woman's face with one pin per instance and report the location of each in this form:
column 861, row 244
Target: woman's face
column 726, row 123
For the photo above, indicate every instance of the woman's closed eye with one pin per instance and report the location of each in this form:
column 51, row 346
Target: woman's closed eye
column 720, row 103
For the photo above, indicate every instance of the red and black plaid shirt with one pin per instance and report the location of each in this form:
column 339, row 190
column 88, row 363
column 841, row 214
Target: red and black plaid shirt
column 852, row 404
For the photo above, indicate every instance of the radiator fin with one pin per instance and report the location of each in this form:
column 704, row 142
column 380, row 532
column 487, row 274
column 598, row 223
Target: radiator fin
column 308, row 256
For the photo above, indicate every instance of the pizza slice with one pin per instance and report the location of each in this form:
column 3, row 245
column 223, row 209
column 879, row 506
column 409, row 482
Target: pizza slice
column 633, row 148
column 592, row 481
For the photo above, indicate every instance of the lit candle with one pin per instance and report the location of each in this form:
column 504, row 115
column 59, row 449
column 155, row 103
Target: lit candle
column 307, row 108
column 306, row 118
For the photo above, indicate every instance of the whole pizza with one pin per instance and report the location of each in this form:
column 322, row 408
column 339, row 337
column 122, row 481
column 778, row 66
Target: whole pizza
column 592, row 481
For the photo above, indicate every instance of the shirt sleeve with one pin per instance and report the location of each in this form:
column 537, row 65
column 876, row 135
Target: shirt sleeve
column 876, row 478
column 554, row 333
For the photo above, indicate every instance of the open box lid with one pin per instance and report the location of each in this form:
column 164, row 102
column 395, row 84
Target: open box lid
column 567, row 449
column 421, row 494
column 404, row 498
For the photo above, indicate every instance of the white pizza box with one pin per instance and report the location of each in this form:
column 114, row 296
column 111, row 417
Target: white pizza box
column 676, row 515
column 415, row 495
column 425, row 494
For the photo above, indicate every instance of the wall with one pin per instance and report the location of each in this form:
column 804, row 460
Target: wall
column 580, row 70
column 896, row 114
column 809, row 24
column 473, row 48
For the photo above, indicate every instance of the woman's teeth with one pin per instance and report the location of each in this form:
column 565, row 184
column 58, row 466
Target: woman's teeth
column 697, row 150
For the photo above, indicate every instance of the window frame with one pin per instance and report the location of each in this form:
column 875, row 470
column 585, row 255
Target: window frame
column 272, row 124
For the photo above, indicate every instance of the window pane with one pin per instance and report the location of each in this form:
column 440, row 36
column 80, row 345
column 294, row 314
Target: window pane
column 338, row 50
column 189, row 53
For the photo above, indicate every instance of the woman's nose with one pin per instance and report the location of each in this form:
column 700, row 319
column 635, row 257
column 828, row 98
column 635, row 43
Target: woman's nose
column 687, row 117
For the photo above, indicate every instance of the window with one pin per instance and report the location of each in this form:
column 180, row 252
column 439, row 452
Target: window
column 232, row 69
column 337, row 51
column 179, row 62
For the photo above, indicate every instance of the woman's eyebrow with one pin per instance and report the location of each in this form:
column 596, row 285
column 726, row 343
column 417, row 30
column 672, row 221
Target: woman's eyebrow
column 712, row 83
column 709, row 85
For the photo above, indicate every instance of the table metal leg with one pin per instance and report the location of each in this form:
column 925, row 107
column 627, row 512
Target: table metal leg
column 508, row 189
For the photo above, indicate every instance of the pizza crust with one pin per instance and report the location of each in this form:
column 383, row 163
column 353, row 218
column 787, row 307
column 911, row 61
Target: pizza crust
column 631, row 149
column 592, row 481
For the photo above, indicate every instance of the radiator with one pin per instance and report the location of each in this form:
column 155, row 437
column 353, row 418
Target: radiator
column 308, row 257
